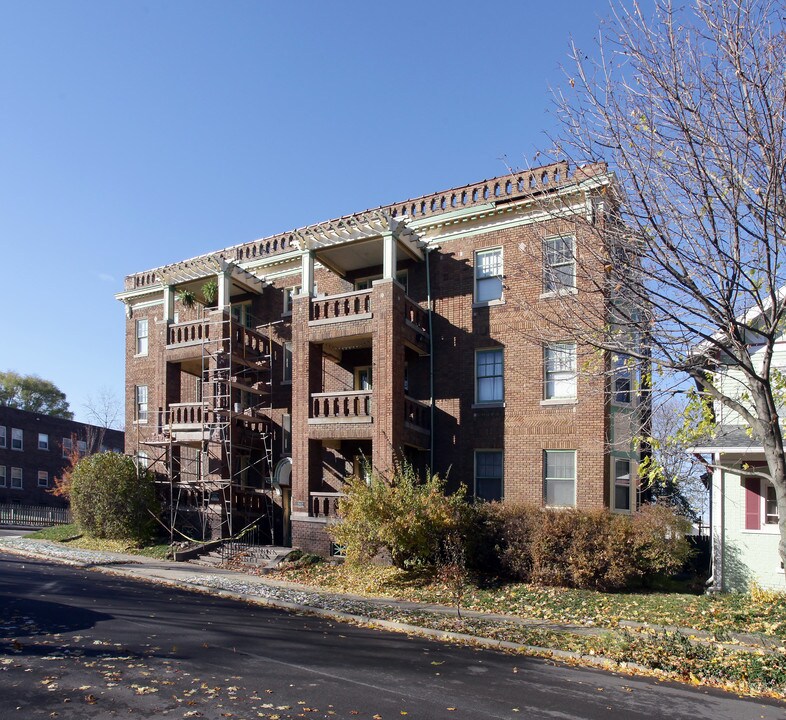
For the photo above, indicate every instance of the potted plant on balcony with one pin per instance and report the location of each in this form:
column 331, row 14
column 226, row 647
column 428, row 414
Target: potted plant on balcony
column 187, row 298
column 210, row 292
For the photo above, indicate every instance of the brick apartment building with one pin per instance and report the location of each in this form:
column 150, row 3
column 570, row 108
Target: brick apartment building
column 260, row 376
column 35, row 449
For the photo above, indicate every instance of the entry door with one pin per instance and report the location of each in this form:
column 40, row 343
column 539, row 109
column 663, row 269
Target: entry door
column 363, row 378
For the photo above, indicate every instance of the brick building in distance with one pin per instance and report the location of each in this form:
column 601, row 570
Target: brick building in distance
column 35, row 449
column 260, row 376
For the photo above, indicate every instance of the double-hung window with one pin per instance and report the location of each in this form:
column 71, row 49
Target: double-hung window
column 622, row 485
column 17, row 439
column 286, row 434
column 559, row 478
column 488, row 475
column 488, row 275
column 286, row 369
column 559, row 264
column 68, row 446
column 489, row 385
column 16, row 478
column 43, row 441
column 2, row 476
column 43, row 478
column 141, row 336
column 141, row 403
column 289, row 293
column 560, row 371
column 3, row 436
column 761, row 504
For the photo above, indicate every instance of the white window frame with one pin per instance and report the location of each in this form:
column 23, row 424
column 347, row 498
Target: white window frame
column 365, row 283
column 43, row 441
column 478, row 378
column 559, row 383
column 546, row 478
column 43, row 475
column 286, row 363
column 17, row 471
column 766, row 487
column 3, row 479
column 289, row 293
column 68, row 447
column 483, row 275
column 241, row 314
column 142, row 337
column 358, row 377
column 621, row 480
column 550, row 285
column 3, row 436
column 81, row 446
column 142, row 460
column 501, row 454
column 17, row 436
column 141, row 405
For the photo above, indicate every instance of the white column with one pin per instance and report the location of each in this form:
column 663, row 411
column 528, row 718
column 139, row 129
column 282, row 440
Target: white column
column 388, row 256
column 307, row 273
column 224, row 289
column 169, row 304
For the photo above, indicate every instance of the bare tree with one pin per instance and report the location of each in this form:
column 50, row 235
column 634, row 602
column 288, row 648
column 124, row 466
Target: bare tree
column 688, row 108
column 104, row 410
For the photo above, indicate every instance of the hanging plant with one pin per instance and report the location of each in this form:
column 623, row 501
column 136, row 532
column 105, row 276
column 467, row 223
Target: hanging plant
column 210, row 291
column 187, row 298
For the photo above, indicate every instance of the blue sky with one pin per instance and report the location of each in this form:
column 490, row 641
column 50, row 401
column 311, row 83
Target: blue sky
column 134, row 134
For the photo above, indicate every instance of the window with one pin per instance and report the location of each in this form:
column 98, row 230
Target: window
column 286, row 375
column 43, row 478
column 622, row 383
column 560, row 371
column 81, row 446
column 761, row 504
column 622, row 484
column 142, row 461
column 559, row 265
column 2, row 475
column 286, row 434
column 488, row 275
column 16, row 478
column 365, row 283
column 17, row 439
column 43, row 441
column 489, row 376
column 141, row 337
column 488, row 475
column 67, row 447
column 141, row 403
column 3, row 437
column 241, row 314
column 289, row 293
column 560, row 478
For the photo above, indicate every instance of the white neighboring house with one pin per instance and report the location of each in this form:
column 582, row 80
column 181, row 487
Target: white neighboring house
column 743, row 509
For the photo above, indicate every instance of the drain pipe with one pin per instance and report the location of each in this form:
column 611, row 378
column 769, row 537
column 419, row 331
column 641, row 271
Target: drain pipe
column 430, row 356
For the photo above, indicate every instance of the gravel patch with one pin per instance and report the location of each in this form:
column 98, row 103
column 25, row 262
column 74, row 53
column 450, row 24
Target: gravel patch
column 74, row 556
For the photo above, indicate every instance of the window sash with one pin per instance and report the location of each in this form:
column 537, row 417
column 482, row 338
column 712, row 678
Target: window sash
column 286, row 374
column 141, row 402
column 43, row 441
column 622, row 484
column 560, row 478
column 489, row 475
column 67, row 447
column 3, row 436
column 489, row 375
column 17, row 439
column 2, row 476
column 43, row 478
column 488, row 275
column 16, row 478
column 141, row 337
column 771, row 514
column 559, row 271
column 560, row 363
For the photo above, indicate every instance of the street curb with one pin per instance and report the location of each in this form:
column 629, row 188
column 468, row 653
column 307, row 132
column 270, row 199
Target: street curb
column 391, row 625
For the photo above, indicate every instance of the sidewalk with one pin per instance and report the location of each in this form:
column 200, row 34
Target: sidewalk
column 400, row 616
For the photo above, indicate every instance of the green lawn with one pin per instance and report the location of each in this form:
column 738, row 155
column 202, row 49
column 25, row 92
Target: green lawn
column 73, row 537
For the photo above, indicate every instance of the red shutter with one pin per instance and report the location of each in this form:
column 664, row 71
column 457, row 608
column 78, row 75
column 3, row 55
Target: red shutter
column 752, row 504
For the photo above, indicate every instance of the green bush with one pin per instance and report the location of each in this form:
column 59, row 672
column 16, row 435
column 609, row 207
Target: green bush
column 593, row 549
column 403, row 516
column 110, row 499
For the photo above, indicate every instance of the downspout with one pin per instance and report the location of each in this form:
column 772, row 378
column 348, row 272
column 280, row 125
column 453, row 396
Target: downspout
column 430, row 359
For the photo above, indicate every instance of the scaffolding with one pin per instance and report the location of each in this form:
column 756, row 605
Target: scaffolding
column 217, row 446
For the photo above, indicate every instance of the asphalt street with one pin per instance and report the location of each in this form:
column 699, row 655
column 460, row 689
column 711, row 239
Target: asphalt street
column 80, row 644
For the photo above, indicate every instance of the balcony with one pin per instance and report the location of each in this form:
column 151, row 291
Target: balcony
column 187, row 416
column 341, row 308
column 324, row 504
column 185, row 339
column 350, row 406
